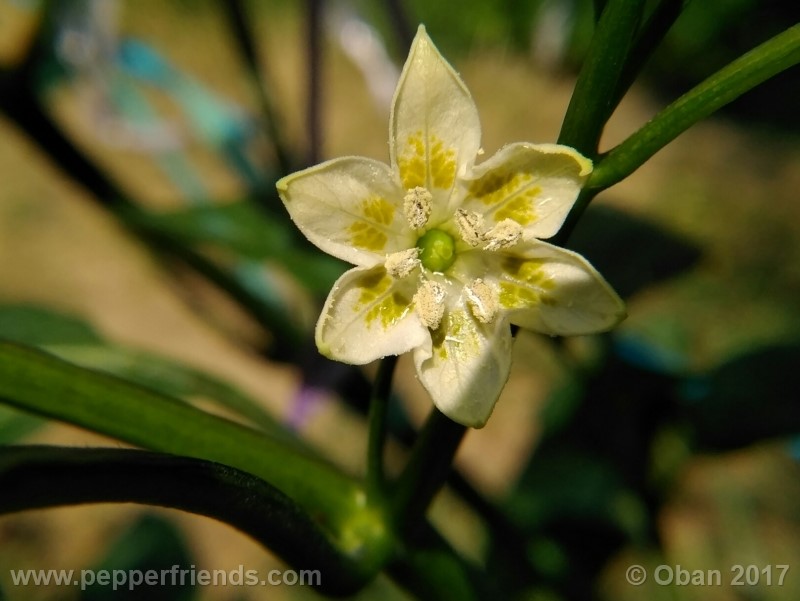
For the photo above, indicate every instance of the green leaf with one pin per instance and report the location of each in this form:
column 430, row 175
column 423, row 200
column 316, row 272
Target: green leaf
column 76, row 341
column 247, row 232
column 36, row 326
column 238, row 226
column 16, row 425
column 170, row 378
column 43, row 384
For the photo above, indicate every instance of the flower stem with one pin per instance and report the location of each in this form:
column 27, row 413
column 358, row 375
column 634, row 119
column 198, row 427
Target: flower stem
column 378, row 405
column 595, row 94
column 426, row 471
column 743, row 74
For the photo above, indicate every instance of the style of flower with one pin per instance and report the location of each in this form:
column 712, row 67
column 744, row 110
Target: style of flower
column 448, row 253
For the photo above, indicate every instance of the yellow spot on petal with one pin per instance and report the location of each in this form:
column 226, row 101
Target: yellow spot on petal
column 456, row 337
column 426, row 165
column 510, row 191
column 378, row 213
column 386, row 307
column 519, row 209
column 514, row 296
column 366, row 236
column 527, row 285
column 378, row 210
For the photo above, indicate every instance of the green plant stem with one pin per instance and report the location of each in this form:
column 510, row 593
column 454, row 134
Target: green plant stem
column 378, row 408
column 38, row 477
column 650, row 34
column 770, row 58
column 426, row 471
column 595, row 94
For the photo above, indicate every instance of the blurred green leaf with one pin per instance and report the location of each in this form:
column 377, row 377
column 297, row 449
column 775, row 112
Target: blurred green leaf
column 16, row 425
column 746, row 400
column 238, row 226
column 76, row 341
column 36, row 326
column 151, row 543
column 246, row 231
column 170, row 378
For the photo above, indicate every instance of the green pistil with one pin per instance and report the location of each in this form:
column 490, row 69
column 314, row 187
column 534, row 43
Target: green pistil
column 437, row 250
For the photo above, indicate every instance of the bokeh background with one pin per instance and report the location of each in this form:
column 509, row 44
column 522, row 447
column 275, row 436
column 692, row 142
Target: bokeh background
column 671, row 441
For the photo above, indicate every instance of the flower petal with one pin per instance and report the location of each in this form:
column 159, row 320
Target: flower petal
column 465, row 366
column 369, row 315
column 349, row 207
column 434, row 130
column 533, row 184
column 553, row 291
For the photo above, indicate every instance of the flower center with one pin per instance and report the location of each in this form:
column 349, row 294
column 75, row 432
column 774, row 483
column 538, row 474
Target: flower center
column 437, row 250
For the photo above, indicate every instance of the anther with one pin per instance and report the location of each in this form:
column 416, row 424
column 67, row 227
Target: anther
column 417, row 206
column 402, row 263
column 470, row 226
column 503, row 235
column 483, row 300
column 429, row 303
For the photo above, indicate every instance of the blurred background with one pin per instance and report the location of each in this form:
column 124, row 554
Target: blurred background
column 140, row 234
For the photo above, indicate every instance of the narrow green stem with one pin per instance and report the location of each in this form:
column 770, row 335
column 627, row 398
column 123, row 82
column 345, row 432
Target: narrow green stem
column 378, row 408
column 427, row 470
column 39, row 477
column 770, row 58
column 595, row 94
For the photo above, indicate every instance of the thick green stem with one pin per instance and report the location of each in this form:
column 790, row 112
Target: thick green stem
column 42, row 384
column 743, row 74
column 39, row 477
column 427, row 470
column 595, row 94
column 378, row 406
column 650, row 34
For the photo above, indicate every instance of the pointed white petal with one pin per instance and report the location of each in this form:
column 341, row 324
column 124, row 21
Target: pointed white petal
column 434, row 129
column 350, row 207
column 369, row 315
column 532, row 184
column 465, row 366
column 553, row 291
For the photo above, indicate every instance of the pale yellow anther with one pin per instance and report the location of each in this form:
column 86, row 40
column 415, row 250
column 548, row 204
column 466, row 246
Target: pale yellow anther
column 402, row 263
column 417, row 206
column 503, row 235
column 470, row 226
column 429, row 303
column 483, row 300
